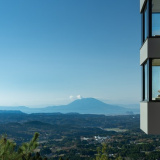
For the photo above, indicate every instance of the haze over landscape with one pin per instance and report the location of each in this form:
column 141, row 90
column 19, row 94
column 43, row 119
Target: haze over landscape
column 82, row 106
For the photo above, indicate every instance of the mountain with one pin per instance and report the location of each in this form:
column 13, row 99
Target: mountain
column 82, row 106
column 10, row 112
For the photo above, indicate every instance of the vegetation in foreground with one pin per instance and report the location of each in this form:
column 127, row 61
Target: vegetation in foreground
column 8, row 150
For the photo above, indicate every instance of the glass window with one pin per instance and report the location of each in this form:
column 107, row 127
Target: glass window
column 155, row 17
column 156, row 79
column 145, row 82
column 146, row 22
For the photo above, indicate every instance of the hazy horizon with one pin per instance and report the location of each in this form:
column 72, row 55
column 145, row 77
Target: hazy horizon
column 127, row 105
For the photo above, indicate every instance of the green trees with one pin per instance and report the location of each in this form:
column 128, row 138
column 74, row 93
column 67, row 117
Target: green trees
column 7, row 149
column 102, row 153
column 27, row 148
column 119, row 158
column 24, row 152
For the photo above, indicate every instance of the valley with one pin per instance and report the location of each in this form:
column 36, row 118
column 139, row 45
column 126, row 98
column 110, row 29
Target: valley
column 77, row 136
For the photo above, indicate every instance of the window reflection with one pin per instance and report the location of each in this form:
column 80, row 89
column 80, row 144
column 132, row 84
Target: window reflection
column 156, row 79
column 146, row 22
column 155, row 17
column 145, row 82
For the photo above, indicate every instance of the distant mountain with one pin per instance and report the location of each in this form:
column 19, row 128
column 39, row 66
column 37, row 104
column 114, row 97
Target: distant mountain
column 82, row 106
column 11, row 111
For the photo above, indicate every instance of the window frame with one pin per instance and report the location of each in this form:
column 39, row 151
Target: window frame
column 151, row 81
column 147, row 4
column 148, row 62
column 151, row 20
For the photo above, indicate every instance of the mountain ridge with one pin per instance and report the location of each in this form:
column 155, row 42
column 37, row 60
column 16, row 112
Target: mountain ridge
column 82, row 106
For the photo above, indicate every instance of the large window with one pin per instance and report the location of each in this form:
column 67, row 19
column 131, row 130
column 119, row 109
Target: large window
column 151, row 80
column 145, row 81
column 156, row 79
column 146, row 22
column 155, row 17
column 151, row 19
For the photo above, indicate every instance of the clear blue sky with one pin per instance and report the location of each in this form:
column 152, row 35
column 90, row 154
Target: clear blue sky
column 53, row 50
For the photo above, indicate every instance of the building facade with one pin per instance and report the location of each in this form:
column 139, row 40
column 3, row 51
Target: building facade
column 150, row 64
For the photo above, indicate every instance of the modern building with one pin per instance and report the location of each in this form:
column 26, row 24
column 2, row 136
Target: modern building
column 150, row 62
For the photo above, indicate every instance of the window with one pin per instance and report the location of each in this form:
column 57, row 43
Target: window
column 156, row 79
column 151, row 80
column 145, row 81
column 146, row 22
column 155, row 17
column 151, row 19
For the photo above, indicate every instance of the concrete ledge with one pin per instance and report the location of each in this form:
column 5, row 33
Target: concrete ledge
column 142, row 2
column 154, row 118
column 150, row 117
column 144, row 117
column 144, row 52
column 150, row 49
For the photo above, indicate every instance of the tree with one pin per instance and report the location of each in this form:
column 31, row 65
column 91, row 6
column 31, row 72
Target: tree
column 119, row 158
column 27, row 149
column 25, row 152
column 102, row 153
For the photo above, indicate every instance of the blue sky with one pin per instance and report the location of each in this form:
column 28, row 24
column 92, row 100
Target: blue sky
column 53, row 50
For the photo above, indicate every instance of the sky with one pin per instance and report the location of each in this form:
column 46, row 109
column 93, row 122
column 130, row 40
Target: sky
column 55, row 51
